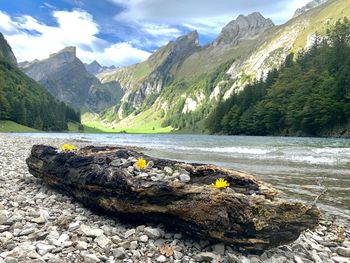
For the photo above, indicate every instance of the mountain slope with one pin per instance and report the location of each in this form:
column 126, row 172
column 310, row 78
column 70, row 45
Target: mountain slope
column 309, row 96
column 25, row 102
column 6, row 51
column 183, row 60
column 66, row 78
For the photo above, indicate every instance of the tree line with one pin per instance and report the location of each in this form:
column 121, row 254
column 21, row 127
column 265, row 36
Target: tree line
column 307, row 96
column 24, row 101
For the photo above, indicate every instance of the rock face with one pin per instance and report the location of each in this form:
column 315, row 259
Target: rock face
column 66, row 78
column 247, row 214
column 6, row 51
column 95, row 68
column 311, row 5
column 244, row 27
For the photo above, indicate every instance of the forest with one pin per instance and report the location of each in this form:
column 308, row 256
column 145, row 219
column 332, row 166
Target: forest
column 24, row 101
column 309, row 95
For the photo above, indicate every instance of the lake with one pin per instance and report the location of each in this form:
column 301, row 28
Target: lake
column 299, row 167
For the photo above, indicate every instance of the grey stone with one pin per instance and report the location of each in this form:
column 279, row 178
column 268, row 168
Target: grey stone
column 129, row 233
column 178, row 255
column 143, row 238
column 133, row 245
column 153, row 233
column 218, row 249
column 185, row 178
column 206, row 256
column 39, row 220
column 339, row 259
column 91, row 258
column 119, row 253
column 4, row 216
column 342, row 251
column 81, row 245
column 73, row 226
column 91, row 232
column 103, row 241
column 44, row 248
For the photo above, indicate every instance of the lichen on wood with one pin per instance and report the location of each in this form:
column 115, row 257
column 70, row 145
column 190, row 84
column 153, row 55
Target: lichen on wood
column 247, row 215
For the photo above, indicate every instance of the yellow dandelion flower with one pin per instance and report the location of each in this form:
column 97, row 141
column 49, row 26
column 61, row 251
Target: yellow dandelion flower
column 141, row 163
column 220, row 183
column 68, row 147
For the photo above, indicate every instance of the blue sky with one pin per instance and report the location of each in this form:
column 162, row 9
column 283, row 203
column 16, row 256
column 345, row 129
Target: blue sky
column 121, row 32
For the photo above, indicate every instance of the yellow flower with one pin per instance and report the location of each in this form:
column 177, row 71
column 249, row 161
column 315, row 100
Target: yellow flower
column 68, row 147
column 221, row 183
column 141, row 163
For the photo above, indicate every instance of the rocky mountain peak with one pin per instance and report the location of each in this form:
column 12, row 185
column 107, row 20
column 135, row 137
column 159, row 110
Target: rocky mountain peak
column 68, row 54
column 189, row 40
column 244, row 27
column 307, row 7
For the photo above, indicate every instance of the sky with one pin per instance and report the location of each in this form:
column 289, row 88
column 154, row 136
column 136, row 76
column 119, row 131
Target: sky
column 121, row 32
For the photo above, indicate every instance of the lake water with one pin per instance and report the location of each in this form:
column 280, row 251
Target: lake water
column 299, row 167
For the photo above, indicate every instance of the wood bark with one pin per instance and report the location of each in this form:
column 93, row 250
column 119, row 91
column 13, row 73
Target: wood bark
column 247, row 215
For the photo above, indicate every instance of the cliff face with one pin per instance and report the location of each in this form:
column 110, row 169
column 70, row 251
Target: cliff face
column 66, row 78
column 6, row 51
column 244, row 27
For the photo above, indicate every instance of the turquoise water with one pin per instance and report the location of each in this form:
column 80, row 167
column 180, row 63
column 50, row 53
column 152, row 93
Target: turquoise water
column 299, row 167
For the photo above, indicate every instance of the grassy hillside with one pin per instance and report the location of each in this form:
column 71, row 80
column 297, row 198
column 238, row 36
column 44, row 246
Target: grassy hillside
column 10, row 126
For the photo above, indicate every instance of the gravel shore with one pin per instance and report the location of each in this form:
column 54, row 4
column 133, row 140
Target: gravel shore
column 39, row 224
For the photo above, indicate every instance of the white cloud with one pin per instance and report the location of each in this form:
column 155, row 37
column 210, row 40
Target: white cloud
column 31, row 39
column 206, row 16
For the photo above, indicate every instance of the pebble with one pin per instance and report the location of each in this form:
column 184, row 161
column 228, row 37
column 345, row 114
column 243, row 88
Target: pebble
column 91, row 258
column 153, row 233
column 102, row 241
column 39, row 224
column 345, row 252
column 91, row 232
column 161, row 258
column 129, row 233
column 185, row 178
column 144, row 238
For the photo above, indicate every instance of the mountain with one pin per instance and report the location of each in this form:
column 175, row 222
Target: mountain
column 309, row 96
column 244, row 27
column 179, row 88
column 24, row 101
column 66, row 78
column 6, row 51
column 309, row 6
column 95, row 68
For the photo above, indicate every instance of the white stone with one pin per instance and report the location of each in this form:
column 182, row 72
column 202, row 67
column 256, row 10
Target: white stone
column 91, row 258
column 161, row 258
column 129, row 233
column 102, row 241
column 144, row 238
column 81, row 245
column 185, row 178
column 91, row 232
column 44, row 248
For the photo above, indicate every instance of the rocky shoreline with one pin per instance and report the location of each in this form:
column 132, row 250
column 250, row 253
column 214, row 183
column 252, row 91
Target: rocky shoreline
column 39, row 224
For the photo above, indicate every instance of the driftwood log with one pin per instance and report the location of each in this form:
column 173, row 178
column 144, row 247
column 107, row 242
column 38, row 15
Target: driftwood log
column 247, row 215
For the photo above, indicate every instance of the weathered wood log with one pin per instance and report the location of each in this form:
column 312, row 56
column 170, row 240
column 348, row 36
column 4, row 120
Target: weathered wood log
column 247, row 215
